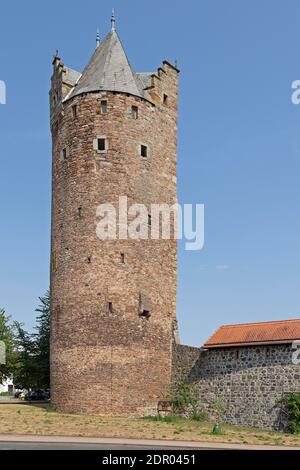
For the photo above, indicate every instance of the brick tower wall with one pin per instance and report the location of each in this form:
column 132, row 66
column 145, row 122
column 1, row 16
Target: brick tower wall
column 117, row 362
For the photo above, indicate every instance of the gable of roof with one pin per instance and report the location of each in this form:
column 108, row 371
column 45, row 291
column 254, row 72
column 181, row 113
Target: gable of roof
column 251, row 334
column 71, row 76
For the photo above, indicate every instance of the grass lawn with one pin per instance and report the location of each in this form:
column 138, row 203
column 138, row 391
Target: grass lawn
column 23, row 419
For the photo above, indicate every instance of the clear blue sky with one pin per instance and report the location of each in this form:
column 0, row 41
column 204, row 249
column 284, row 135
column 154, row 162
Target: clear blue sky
column 239, row 145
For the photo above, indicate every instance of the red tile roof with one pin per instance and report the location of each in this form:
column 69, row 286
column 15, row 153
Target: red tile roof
column 247, row 334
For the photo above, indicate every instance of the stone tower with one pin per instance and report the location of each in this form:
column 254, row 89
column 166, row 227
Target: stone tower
column 113, row 310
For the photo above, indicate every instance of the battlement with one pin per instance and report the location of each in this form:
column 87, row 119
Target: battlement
column 63, row 81
column 164, row 84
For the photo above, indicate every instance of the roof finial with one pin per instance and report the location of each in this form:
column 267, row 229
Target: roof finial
column 97, row 38
column 113, row 20
column 56, row 59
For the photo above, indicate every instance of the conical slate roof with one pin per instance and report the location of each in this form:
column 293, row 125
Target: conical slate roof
column 109, row 70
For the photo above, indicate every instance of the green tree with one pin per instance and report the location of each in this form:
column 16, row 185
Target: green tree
column 42, row 342
column 186, row 398
column 219, row 409
column 7, row 335
column 27, row 355
column 25, row 371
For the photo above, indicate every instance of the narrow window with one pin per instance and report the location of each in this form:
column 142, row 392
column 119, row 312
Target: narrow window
column 144, row 306
column 89, row 260
column 103, row 107
column 122, row 258
column 165, row 99
column 134, row 112
column 74, row 111
column 110, row 307
column 144, row 151
column 65, row 153
column 149, row 220
column 101, row 145
column 79, row 211
column 53, row 262
column 237, row 354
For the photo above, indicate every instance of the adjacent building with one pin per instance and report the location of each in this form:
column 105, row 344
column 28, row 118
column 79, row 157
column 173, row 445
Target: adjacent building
column 7, row 386
column 247, row 368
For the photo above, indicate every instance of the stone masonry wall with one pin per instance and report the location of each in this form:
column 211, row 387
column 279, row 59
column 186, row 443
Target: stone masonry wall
column 112, row 362
column 184, row 360
column 248, row 381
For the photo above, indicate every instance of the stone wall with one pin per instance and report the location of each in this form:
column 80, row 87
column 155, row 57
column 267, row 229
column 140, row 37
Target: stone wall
column 184, row 360
column 248, row 381
column 105, row 357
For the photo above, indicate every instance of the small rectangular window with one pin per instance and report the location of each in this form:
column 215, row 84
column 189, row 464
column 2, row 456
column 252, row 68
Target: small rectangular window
column 65, row 153
column 149, row 220
column 165, row 99
column 110, row 307
column 101, row 145
column 103, row 107
column 144, row 151
column 122, row 258
column 134, row 112
column 74, row 111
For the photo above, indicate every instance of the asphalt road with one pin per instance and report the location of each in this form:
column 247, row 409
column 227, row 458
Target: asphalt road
column 79, row 446
column 28, row 442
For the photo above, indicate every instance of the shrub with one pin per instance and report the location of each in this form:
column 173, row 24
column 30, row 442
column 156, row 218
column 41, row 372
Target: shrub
column 292, row 403
column 186, row 398
column 199, row 417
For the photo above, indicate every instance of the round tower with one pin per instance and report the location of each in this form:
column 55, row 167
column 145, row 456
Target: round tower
column 113, row 310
